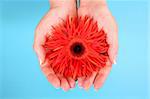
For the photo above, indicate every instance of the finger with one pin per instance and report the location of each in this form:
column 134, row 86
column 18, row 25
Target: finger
column 80, row 81
column 47, row 69
column 54, row 80
column 101, row 76
column 49, row 73
column 64, row 84
column 112, row 52
column 40, row 53
column 71, row 82
column 110, row 27
column 39, row 40
column 89, row 81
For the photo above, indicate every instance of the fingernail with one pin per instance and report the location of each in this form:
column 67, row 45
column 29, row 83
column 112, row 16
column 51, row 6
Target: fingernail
column 40, row 61
column 65, row 90
column 114, row 61
column 80, row 84
column 72, row 86
column 57, row 87
column 96, row 89
column 80, row 87
column 86, row 88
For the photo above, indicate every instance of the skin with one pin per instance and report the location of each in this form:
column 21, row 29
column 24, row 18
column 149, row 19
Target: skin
column 59, row 10
column 99, row 11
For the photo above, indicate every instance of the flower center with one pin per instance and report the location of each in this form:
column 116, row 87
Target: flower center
column 77, row 49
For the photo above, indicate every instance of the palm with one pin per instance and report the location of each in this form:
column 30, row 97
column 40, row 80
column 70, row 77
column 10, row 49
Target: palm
column 106, row 21
column 52, row 18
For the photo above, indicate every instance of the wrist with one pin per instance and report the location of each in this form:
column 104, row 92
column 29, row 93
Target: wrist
column 62, row 3
column 87, row 3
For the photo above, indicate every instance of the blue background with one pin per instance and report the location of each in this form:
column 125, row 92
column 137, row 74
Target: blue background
column 20, row 74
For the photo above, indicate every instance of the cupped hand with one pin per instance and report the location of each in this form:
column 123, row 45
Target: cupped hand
column 59, row 10
column 99, row 11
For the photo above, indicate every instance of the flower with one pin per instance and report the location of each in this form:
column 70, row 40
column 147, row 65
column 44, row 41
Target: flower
column 76, row 47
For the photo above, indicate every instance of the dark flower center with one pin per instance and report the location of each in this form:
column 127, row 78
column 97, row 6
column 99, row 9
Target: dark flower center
column 77, row 49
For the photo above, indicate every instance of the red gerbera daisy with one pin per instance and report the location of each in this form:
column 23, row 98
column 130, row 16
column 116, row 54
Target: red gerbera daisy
column 76, row 47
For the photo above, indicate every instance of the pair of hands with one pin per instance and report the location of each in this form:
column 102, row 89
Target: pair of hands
column 60, row 9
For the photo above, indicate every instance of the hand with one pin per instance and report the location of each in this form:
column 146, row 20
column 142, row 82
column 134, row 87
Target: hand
column 99, row 11
column 59, row 10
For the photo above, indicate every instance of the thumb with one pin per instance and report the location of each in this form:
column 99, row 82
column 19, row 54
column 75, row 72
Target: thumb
column 113, row 50
column 112, row 39
column 40, row 52
column 38, row 41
